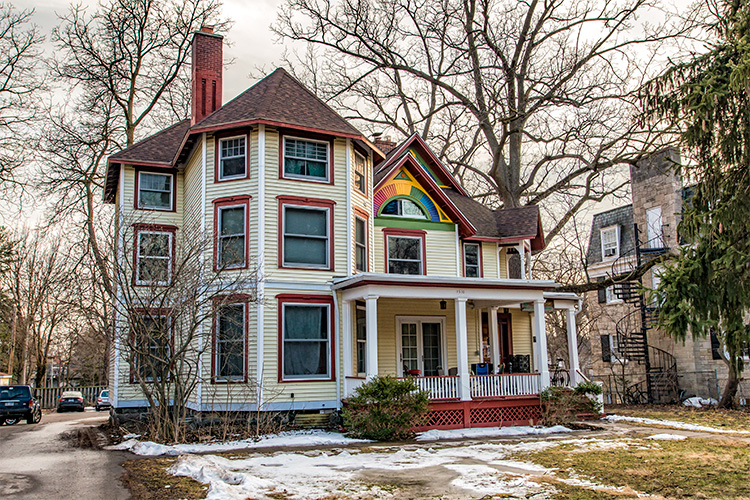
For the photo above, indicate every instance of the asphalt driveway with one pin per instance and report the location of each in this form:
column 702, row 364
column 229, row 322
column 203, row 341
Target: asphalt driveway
column 35, row 462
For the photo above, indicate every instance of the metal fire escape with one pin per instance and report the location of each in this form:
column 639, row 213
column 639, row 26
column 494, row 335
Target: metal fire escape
column 659, row 382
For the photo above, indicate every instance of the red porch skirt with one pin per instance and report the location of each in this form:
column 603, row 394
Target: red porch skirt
column 486, row 412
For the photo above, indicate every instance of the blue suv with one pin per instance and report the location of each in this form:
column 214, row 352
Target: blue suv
column 17, row 402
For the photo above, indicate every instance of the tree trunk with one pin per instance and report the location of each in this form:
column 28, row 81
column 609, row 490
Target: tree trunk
column 730, row 389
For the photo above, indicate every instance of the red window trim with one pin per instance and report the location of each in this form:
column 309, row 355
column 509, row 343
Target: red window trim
column 413, row 233
column 479, row 257
column 306, row 202
column 229, row 201
column 283, row 133
column 292, row 298
column 361, row 214
column 226, row 135
column 153, row 312
column 163, row 171
column 218, row 302
column 154, row 228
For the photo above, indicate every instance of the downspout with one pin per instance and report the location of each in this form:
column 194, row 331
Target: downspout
column 260, row 284
column 337, row 333
column 204, row 172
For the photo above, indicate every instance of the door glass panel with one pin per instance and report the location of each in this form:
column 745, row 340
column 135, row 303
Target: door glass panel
column 409, row 356
column 431, row 347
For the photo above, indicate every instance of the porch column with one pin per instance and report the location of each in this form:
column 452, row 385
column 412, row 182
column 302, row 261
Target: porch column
column 346, row 334
column 371, row 357
column 540, row 330
column 462, row 348
column 494, row 339
column 522, row 254
column 570, row 323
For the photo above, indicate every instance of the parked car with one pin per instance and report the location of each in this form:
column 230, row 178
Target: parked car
column 103, row 401
column 17, row 402
column 70, row 400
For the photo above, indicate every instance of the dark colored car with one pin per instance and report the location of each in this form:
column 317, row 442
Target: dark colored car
column 70, row 400
column 16, row 402
column 102, row 401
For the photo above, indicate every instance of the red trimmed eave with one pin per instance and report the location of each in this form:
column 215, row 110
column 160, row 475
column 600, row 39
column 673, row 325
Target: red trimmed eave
column 197, row 129
column 394, row 161
column 466, row 228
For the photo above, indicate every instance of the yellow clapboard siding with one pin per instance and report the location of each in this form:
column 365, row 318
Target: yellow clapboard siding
column 440, row 252
column 521, row 329
column 489, row 260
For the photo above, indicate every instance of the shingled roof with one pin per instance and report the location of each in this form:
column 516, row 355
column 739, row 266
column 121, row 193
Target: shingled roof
column 504, row 223
column 162, row 147
column 279, row 98
column 621, row 216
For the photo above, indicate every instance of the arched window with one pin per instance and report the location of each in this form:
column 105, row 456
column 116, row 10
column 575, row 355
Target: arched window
column 403, row 208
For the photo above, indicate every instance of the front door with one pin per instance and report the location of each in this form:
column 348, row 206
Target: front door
column 422, row 346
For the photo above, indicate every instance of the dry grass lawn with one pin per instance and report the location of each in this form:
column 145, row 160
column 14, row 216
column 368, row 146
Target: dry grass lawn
column 148, row 479
column 714, row 417
column 693, row 468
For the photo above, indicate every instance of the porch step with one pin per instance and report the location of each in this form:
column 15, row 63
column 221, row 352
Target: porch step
column 312, row 420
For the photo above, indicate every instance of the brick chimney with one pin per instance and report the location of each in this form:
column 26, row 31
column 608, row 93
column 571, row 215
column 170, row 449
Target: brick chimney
column 208, row 63
column 385, row 144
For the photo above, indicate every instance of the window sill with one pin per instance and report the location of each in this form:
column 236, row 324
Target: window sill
column 306, row 380
column 314, row 180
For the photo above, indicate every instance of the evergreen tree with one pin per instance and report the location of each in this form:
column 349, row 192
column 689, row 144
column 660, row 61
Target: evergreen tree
column 707, row 288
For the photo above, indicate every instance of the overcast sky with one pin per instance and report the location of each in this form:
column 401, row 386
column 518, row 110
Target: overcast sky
column 251, row 40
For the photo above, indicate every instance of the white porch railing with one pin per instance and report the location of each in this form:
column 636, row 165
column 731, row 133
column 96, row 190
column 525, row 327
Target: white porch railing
column 516, row 384
column 438, row 387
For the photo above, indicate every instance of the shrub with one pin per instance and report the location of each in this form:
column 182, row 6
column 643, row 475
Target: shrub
column 386, row 409
column 561, row 405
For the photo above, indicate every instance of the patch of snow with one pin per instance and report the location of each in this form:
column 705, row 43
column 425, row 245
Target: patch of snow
column 131, row 436
column 477, row 432
column 283, row 439
column 667, row 437
column 670, row 423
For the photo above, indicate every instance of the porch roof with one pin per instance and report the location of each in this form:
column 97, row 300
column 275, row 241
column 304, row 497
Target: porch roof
column 411, row 280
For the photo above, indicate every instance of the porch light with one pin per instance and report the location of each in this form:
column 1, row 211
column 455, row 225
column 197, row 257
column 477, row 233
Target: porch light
column 443, row 304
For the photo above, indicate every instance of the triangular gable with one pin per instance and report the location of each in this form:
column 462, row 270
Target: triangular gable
column 416, row 147
column 410, row 179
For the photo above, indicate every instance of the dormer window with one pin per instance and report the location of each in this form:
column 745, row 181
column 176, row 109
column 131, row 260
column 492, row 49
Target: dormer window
column 610, row 237
column 232, row 158
column 403, row 208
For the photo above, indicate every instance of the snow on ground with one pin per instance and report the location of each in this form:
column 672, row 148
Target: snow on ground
column 667, row 437
column 670, row 423
column 282, row 439
column 435, row 435
column 458, row 470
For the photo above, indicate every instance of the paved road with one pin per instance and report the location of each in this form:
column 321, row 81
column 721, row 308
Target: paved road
column 35, row 463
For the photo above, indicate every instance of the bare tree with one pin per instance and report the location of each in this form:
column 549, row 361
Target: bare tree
column 163, row 309
column 530, row 102
column 20, row 84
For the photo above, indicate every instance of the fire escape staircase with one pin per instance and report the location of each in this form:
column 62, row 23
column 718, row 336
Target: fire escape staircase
column 659, row 384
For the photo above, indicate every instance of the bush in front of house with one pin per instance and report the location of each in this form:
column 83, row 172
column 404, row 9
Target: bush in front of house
column 562, row 405
column 386, row 409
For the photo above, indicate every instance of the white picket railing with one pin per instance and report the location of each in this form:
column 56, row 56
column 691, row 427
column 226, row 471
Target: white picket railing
column 516, row 384
column 438, row 387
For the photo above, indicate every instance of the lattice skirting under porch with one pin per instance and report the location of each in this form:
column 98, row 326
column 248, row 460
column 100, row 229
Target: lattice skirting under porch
column 483, row 413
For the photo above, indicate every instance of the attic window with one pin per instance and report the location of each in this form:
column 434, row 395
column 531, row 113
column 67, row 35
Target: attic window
column 360, row 179
column 610, row 237
column 403, row 208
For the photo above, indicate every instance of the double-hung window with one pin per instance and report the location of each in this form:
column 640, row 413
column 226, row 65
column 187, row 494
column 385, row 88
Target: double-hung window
column 306, row 159
column 306, row 339
column 360, row 178
column 151, row 342
column 229, row 350
column 405, row 255
column 232, row 237
column 610, row 237
column 471, row 260
column 155, row 191
column 153, row 257
column 306, row 236
column 361, row 339
column 360, row 244
column 232, row 158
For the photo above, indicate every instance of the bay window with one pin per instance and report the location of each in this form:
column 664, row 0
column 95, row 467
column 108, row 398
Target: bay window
column 306, row 159
column 230, row 219
column 232, row 158
column 306, row 236
column 155, row 191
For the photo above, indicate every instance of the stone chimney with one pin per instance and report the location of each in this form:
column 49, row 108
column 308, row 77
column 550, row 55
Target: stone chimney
column 208, row 63
column 385, row 144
